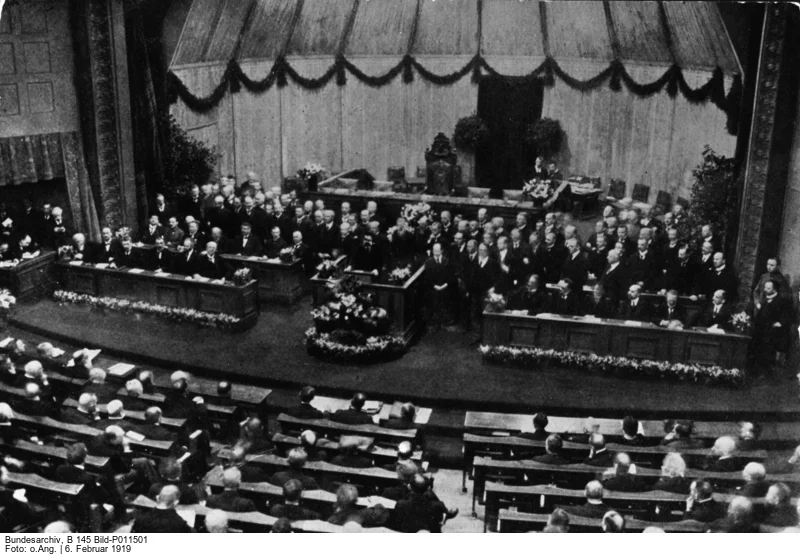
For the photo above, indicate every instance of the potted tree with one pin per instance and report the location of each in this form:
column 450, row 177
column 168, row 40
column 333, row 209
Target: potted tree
column 470, row 134
column 545, row 137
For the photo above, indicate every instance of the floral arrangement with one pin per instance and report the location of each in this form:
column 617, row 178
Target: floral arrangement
column 352, row 347
column 242, row 276
column 613, row 366
column 413, row 212
column 7, row 299
column 286, row 255
column 327, row 269
column 741, row 322
column 495, row 302
column 186, row 315
column 398, row 276
column 470, row 133
column 9, row 263
column 312, row 170
column 538, row 189
column 66, row 252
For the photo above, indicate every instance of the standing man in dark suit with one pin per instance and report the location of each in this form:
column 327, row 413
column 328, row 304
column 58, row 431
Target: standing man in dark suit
column 153, row 230
column 722, row 277
column 367, row 258
column 247, row 244
column 552, row 258
column 670, row 311
column 771, row 327
column 159, row 259
column 192, row 205
column 705, row 265
column 57, row 233
column 532, row 297
column 485, row 274
column 615, row 277
column 635, row 308
column 510, row 267
column 642, row 266
column 439, row 277
column 108, row 249
column 275, row 243
column 575, row 265
column 210, row 264
column 354, row 414
column 681, row 274
column 300, row 250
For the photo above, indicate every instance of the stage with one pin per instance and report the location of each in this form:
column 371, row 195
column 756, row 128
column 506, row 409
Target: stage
column 442, row 370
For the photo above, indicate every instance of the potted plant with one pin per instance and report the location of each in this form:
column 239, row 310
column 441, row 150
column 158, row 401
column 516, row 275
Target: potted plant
column 469, row 135
column 545, row 137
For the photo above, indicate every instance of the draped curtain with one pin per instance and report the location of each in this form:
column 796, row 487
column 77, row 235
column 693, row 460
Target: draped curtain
column 45, row 157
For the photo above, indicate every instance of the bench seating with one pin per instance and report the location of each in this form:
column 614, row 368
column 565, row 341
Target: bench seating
column 384, row 454
column 45, row 487
column 255, row 522
column 509, row 521
column 331, row 428
column 50, row 453
column 174, row 424
column 321, row 499
column 369, row 477
column 158, row 399
column 579, row 474
column 160, row 448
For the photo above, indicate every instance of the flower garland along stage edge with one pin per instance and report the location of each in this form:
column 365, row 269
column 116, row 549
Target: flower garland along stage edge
column 531, row 357
column 181, row 315
column 328, row 346
column 350, row 328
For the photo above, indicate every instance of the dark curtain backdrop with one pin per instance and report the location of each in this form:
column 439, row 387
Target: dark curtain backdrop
column 507, row 106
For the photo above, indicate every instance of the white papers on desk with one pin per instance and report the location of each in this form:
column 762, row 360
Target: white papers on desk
column 201, row 278
column 7, row 222
column 135, row 436
column 591, row 318
column 372, row 407
column 274, row 260
column 164, row 274
column 6, row 342
column 120, row 369
column 101, row 265
column 253, row 258
column 28, row 255
column 187, row 515
column 57, row 352
column 135, row 271
column 633, row 323
column 716, row 330
column 78, row 263
column 91, row 354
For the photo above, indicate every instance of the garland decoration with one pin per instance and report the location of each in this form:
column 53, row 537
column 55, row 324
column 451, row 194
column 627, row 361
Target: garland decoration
column 351, row 349
column 616, row 74
column 182, row 315
column 531, row 357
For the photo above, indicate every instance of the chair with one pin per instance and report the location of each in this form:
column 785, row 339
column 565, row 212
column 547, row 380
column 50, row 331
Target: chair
column 664, row 201
column 641, row 193
column 422, row 171
column 596, row 182
column 396, row 174
column 616, row 191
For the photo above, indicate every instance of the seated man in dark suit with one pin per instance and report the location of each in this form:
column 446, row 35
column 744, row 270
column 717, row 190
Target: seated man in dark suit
column 115, row 416
column 297, row 459
column 539, row 432
column 274, row 244
column 740, row 518
column 250, row 472
column 755, row 481
column 108, row 249
column 681, row 436
column 566, row 301
column 290, row 507
column 127, row 257
column 36, row 402
column 348, row 454
column 354, row 414
column 230, row 500
column 620, row 477
column 597, row 304
column 673, row 469
column 594, row 507
column 418, row 511
column 171, row 472
column 718, row 313
column 598, row 454
column 347, row 510
column 532, row 298
column 164, row 518
column 211, row 265
column 635, row 308
column 779, row 510
column 304, row 409
column 105, row 392
column 670, row 314
column 84, row 414
column 152, row 428
column 630, row 433
column 700, row 505
column 159, row 259
column 724, row 459
column 82, row 249
column 553, row 446
column 247, row 244
column 406, row 421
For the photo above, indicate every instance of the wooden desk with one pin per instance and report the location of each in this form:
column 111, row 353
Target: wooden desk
column 510, row 521
column 278, row 282
column 45, row 486
column 403, row 303
column 171, row 290
column 35, row 451
column 615, row 338
column 319, row 286
column 336, row 429
column 384, row 455
column 30, row 279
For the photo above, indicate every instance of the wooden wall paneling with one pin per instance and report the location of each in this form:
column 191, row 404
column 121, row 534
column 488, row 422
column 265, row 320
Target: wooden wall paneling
column 257, row 128
column 311, row 121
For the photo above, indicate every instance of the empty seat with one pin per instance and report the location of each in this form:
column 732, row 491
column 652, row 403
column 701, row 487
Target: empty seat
column 641, row 193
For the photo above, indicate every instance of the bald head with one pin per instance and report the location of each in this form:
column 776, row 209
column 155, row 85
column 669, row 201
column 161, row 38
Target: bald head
column 232, row 479
column 754, row 472
column 724, row 446
column 169, row 496
column 740, row 509
column 594, row 490
column 217, row 521
column 115, row 409
column 34, row 369
column 297, row 458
